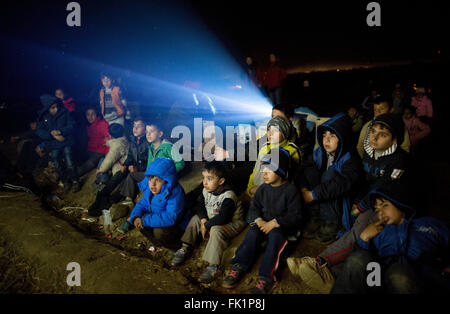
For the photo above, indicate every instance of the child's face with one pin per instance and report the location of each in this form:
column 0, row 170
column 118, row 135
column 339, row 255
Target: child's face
column 211, row 182
column 380, row 138
column 380, row 108
column 272, row 58
column 274, row 136
column 138, row 128
column 153, row 134
column 330, row 142
column 351, row 112
column 106, row 81
column 388, row 213
column 249, row 60
column 59, row 94
column 155, row 184
column 53, row 109
column 270, row 177
column 91, row 116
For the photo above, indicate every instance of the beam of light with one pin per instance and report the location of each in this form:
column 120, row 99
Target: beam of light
column 173, row 53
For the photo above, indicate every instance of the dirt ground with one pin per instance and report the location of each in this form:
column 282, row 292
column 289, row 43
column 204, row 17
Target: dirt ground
column 38, row 241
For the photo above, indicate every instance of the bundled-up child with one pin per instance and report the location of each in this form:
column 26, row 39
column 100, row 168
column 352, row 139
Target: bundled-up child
column 329, row 178
column 67, row 101
column 55, row 128
column 157, row 147
column 97, row 133
column 278, row 133
column 160, row 214
column 384, row 162
column 413, row 253
column 380, row 106
column 114, row 159
column 218, row 213
column 275, row 212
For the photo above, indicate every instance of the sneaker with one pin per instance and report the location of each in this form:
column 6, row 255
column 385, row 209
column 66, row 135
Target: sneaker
column 125, row 227
column 76, row 187
column 263, row 286
column 312, row 273
column 209, row 274
column 179, row 256
column 233, row 276
column 327, row 232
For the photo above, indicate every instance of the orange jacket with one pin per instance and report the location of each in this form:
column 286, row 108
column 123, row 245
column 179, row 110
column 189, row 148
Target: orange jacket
column 115, row 99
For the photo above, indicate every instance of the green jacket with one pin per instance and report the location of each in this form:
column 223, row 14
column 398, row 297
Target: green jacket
column 165, row 150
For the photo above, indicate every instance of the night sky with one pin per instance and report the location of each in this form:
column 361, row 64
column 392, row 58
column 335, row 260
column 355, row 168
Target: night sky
column 128, row 34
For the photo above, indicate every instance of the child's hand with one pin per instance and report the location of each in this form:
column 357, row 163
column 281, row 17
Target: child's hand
column 371, row 231
column 204, row 231
column 307, row 196
column 260, row 223
column 253, row 190
column 268, row 226
column 59, row 138
column 97, row 172
column 138, row 223
column 55, row 133
column 40, row 151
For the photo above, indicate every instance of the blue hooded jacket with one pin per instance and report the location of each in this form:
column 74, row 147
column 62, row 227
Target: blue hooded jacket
column 61, row 121
column 414, row 238
column 167, row 208
column 338, row 180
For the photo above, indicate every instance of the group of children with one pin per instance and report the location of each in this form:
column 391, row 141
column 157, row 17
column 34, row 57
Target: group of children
column 352, row 197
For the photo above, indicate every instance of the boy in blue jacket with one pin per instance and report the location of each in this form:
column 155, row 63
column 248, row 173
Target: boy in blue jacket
column 55, row 127
column 160, row 214
column 413, row 253
column 328, row 178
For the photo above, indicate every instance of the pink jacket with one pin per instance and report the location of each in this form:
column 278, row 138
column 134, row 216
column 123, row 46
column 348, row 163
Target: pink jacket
column 417, row 129
column 424, row 106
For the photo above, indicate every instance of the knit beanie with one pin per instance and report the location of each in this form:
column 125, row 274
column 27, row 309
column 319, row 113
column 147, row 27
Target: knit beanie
column 394, row 123
column 48, row 100
column 115, row 130
column 278, row 161
column 283, row 125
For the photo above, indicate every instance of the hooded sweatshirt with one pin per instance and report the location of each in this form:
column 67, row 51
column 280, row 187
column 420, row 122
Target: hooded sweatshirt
column 60, row 121
column 425, row 237
column 340, row 172
column 166, row 208
column 165, row 150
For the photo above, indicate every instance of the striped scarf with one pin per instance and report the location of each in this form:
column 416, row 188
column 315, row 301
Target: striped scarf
column 372, row 153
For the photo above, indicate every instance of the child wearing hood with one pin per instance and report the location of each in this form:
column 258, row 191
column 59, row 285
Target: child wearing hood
column 218, row 214
column 329, row 177
column 413, row 253
column 384, row 162
column 160, row 215
column 55, row 127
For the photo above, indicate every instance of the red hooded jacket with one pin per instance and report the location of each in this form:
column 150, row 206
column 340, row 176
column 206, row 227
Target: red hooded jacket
column 98, row 134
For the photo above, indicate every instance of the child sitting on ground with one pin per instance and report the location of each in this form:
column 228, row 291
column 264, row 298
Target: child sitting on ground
column 413, row 253
column 381, row 106
column 55, row 127
column 329, row 178
column 276, row 214
column 160, row 215
column 97, row 132
column 384, row 162
column 114, row 159
column 219, row 214
column 158, row 147
column 278, row 133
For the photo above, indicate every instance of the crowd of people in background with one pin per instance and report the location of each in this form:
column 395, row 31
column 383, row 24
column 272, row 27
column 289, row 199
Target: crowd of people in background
column 346, row 184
